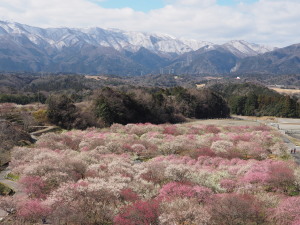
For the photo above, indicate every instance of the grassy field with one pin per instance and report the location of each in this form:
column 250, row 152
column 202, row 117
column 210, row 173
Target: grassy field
column 227, row 122
column 262, row 119
column 96, row 77
column 286, row 91
column 200, row 85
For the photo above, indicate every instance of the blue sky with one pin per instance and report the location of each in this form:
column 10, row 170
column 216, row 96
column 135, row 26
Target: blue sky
column 148, row 5
column 138, row 5
column 234, row 2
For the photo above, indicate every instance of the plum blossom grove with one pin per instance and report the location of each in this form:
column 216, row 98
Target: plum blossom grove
column 142, row 174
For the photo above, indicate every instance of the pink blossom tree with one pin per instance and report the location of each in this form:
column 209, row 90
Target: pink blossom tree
column 231, row 209
column 32, row 210
column 287, row 212
column 139, row 213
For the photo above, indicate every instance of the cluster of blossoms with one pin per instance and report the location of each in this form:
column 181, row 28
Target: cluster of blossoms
column 157, row 174
column 194, row 140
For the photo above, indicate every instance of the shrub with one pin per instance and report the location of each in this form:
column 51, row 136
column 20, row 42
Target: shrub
column 5, row 190
column 221, row 146
column 40, row 116
column 183, row 211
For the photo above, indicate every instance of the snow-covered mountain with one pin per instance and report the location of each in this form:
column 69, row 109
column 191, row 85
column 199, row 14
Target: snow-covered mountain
column 112, row 51
column 115, row 38
column 119, row 39
column 244, row 49
column 280, row 61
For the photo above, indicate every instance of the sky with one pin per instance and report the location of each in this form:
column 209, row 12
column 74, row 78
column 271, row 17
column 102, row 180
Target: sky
column 268, row 22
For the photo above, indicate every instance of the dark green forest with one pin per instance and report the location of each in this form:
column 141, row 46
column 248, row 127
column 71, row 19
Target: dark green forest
column 22, row 99
column 250, row 99
column 141, row 105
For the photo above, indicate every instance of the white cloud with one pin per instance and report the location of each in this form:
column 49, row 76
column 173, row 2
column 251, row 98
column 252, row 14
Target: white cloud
column 273, row 22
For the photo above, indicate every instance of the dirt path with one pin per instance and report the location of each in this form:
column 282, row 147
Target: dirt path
column 46, row 129
column 226, row 122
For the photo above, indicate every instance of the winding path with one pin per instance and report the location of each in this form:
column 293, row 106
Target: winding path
column 11, row 184
column 15, row 186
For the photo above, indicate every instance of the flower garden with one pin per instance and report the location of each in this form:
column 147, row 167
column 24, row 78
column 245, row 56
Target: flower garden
column 142, row 174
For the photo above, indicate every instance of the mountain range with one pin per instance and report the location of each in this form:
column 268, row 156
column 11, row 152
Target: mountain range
column 114, row 51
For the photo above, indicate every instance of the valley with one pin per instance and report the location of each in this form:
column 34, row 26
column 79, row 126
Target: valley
column 106, row 126
column 163, row 112
column 110, row 147
column 126, row 162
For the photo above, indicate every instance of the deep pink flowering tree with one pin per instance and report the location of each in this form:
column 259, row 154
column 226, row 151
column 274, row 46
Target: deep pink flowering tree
column 287, row 212
column 139, row 213
column 212, row 129
column 281, row 176
column 204, row 151
column 228, row 184
column 275, row 175
column 34, row 186
column 181, row 190
column 128, row 194
column 32, row 210
column 170, row 129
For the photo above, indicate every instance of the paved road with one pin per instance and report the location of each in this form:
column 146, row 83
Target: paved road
column 11, row 184
column 291, row 145
column 3, row 213
column 15, row 185
column 284, row 125
column 297, row 157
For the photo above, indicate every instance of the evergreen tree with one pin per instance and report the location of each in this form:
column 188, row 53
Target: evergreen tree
column 250, row 104
column 61, row 111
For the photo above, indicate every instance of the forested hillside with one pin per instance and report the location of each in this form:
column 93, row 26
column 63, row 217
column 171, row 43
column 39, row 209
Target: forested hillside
column 108, row 106
column 256, row 100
